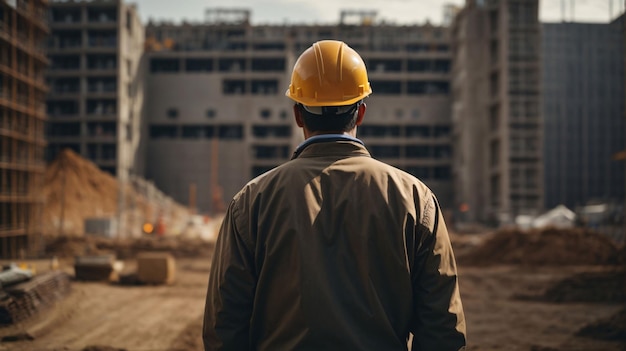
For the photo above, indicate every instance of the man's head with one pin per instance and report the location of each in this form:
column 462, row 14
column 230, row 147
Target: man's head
column 328, row 84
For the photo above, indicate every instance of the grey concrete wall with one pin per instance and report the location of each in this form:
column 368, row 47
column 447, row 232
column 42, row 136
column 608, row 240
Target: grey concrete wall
column 583, row 107
column 174, row 164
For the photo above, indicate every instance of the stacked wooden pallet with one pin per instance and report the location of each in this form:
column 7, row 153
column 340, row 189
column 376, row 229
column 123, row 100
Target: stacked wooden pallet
column 21, row 301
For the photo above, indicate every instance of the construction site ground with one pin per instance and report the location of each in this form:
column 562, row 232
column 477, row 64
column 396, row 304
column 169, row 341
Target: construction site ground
column 507, row 306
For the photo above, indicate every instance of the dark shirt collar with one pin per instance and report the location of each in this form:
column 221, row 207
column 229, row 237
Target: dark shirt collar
column 323, row 138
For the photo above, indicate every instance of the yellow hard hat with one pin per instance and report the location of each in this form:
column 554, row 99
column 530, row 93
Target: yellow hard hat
column 329, row 73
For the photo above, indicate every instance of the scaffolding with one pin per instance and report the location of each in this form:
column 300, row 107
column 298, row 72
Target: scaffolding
column 23, row 31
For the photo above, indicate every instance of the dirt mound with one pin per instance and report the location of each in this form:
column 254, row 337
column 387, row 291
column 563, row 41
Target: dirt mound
column 548, row 246
column 599, row 287
column 74, row 189
column 612, row 328
column 178, row 247
column 71, row 246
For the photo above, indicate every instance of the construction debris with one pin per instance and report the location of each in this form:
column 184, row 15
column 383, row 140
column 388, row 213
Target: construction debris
column 588, row 287
column 20, row 301
column 12, row 274
column 550, row 246
column 559, row 217
column 96, row 268
column 71, row 246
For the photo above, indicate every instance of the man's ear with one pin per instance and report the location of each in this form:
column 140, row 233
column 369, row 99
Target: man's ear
column 360, row 114
column 297, row 114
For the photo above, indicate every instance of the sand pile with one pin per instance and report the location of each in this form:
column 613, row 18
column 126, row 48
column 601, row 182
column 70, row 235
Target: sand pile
column 548, row 246
column 76, row 189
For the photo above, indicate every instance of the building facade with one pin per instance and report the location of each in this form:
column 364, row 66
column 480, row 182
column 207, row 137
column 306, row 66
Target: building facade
column 218, row 116
column 23, row 31
column 497, row 126
column 583, row 109
column 96, row 87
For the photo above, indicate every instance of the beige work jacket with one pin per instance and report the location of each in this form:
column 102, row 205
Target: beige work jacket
column 334, row 250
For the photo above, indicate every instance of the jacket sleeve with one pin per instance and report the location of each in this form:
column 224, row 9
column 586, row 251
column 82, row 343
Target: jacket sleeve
column 439, row 322
column 231, row 289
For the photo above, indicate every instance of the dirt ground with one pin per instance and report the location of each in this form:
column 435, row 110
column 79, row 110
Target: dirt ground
column 507, row 306
column 123, row 317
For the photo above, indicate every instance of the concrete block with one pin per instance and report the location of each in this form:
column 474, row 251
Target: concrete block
column 104, row 227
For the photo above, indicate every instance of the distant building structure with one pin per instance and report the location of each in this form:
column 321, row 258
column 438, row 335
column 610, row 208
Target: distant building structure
column 583, row 109
column 497, row 125
column 96, row 84
column 217, row 115
column 23, row 31
column 449, row 13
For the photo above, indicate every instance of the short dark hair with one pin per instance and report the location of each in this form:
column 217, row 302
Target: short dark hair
column 329, row 122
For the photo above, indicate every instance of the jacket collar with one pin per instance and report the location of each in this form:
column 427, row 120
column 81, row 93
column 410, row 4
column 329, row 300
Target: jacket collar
column 329, row 138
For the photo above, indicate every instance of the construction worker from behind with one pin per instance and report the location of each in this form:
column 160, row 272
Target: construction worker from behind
column 333, row 250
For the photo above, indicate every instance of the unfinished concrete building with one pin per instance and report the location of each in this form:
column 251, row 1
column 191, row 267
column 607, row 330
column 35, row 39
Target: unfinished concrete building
column 498, row 167
column 583, row 109
column 23, row 31
column 217, row 115
column 96, row 86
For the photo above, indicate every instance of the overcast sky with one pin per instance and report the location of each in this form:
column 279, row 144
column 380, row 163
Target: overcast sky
column 327, row 11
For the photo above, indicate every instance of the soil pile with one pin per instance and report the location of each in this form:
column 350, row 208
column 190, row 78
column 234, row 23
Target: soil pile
column 75, row 189
column 598, row 287
column 548, row 246
column 177, row 247
column 612, row 328
column 71, row 246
